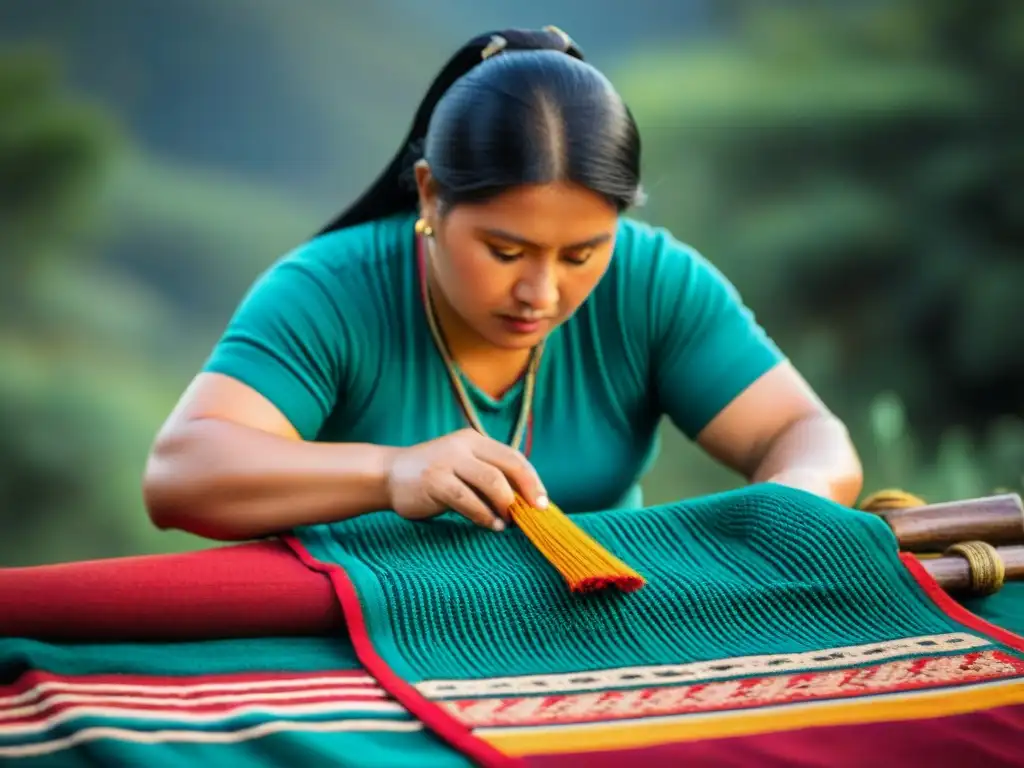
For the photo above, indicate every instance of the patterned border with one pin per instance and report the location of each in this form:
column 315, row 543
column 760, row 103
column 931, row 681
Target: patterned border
column 703, row 671
column 736, row 695
column 580, row 739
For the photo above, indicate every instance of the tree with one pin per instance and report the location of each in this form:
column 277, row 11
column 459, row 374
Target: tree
column 71, row 391
column 857, row 172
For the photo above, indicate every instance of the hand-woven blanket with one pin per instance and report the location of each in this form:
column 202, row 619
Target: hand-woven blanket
column 775, row 629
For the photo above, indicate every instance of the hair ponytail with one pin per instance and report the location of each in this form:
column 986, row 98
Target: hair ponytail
column 388, row 194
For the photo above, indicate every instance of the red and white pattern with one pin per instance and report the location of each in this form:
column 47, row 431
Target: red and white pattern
column 168, row 709
column 669, row 674
column 903, row 675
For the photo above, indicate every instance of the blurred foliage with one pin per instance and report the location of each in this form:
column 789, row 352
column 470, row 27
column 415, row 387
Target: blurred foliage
column 50, row 152
column 858, row 173
column 283, row 94
column 855, row 169
column 78, row 403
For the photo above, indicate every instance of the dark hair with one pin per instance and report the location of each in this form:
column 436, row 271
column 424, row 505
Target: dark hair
column 510, row 108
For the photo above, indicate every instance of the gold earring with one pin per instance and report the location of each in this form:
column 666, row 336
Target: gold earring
column 424, row 229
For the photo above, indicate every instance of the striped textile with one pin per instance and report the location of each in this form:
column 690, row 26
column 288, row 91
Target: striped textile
column 245, row 703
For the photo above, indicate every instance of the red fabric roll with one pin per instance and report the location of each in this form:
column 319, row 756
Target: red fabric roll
column 244, row 590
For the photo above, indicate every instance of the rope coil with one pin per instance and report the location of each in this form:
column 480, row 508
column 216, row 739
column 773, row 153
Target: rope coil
column 891, row 498
column 988, row 571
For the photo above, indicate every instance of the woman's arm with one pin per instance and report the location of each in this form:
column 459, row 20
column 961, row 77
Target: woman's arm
column 779, row 431
column 724, row 382
column 239, row 457
column 236, row 458
column 228, row 465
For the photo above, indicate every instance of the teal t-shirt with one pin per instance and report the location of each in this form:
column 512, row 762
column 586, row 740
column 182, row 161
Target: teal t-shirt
column 334, row 334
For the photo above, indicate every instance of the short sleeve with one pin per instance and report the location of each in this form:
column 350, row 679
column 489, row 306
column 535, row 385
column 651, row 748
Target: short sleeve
column 706, row 345
column 287, row 340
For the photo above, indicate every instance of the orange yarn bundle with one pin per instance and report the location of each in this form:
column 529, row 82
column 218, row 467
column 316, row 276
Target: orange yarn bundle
column 585, row 565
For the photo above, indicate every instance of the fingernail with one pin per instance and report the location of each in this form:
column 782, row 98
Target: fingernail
column 542, row 502
column 498, row 525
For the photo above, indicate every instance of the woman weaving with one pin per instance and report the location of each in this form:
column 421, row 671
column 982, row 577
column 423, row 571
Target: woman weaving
column 486, row 320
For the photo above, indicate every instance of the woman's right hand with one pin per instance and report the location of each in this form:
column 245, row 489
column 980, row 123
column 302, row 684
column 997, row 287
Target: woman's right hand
column 466, row 472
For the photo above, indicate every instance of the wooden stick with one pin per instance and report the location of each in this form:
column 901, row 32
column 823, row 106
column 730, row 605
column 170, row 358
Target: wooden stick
column 953, row 573
column 998, row 520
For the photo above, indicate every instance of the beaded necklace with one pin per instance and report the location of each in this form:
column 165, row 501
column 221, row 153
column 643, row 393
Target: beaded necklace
column 524, row 424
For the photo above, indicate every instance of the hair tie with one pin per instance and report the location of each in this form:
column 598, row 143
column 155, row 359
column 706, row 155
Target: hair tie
column 497, row 45
column 566, row 40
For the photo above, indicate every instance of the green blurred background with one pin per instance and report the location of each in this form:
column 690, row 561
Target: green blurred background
column 856, row 168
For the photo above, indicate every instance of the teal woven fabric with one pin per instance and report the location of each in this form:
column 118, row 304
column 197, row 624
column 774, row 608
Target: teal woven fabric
column 208, row 657
column 762, row 570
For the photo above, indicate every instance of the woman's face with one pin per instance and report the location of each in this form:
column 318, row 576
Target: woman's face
column 512, row 269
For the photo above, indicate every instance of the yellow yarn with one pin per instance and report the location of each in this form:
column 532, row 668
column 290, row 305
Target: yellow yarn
column 585, row 565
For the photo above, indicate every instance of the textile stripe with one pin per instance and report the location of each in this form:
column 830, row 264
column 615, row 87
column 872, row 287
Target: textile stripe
column 39, row 703
column 32, row 685
column 742, row 694
column 206, row 737
column 626, row 735
column 65, row 712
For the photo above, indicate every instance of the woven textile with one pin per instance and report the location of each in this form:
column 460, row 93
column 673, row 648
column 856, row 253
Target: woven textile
column 775, row 629
column 767, row 611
